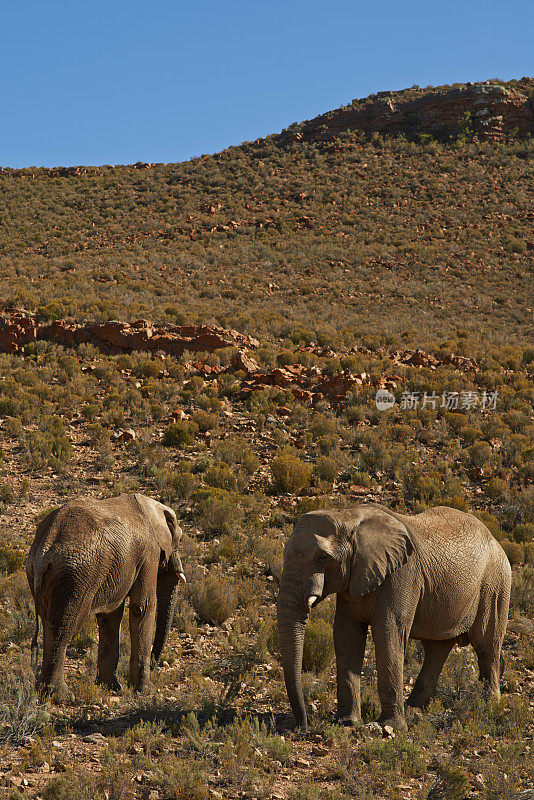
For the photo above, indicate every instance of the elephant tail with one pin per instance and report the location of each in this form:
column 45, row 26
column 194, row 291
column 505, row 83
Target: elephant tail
column 37, row 586
column 35, row 638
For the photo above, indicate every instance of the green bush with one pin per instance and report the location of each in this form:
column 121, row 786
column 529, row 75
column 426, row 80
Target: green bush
column 205, row 421
column 522, row 597
column 180, row 434
column 21, row 713
column 213, row 599
column 218, row 511
column 237, row 450
column 524, row 532
column 220, row 476
column 11, row 560
column 49, row 446
column 479, row 454
column 451, row 784
column 326, row 469
column 183, row 485
column 289, row 473
column 318, row 645
column 514, row 552
column 497, row 488
column 491, row 522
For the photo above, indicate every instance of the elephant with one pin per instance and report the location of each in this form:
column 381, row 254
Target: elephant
column 89, row 556
column 438, row 577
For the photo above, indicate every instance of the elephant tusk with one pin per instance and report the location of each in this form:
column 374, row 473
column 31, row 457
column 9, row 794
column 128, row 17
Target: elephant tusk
column 182, row 577
column 311, row 600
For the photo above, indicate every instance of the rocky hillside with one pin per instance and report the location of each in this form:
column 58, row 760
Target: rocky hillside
column 370, row 231
column 491, row 110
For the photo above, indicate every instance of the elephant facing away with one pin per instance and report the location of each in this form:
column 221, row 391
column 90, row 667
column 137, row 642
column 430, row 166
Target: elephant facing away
column 439, row 577
column 89, row 556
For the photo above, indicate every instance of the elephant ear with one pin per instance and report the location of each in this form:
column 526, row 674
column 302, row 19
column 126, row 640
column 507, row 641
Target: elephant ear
column 163, row 523
column 381, row 545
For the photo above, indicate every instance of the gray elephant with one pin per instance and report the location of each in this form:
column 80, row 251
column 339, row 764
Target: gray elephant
column 439, row 577
column 89, row 556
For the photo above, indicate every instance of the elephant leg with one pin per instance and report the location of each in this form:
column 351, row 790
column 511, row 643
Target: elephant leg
column 59, row 626
column 424, row 689
column 390, row 647
column 349, row 644
column 489, row 668
column 51, row 680
column 142, row 622
column 486, row 636
column 108, row 647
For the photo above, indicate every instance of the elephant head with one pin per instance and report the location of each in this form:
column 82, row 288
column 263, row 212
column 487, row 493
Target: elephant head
column 332, row 551
column 164, row 526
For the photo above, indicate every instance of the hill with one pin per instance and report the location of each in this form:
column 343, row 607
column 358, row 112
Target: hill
column 366, row 230
column 214, row 334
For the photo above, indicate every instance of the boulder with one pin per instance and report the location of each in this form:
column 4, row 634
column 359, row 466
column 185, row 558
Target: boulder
column 16, row 330
column 242, row 361
column 337, row 386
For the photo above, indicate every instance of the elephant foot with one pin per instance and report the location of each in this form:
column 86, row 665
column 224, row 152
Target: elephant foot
column 418, row 700
column 110, row 683
column 59, row 693
column 145, row 687
column 348, row 721
column 398, row 723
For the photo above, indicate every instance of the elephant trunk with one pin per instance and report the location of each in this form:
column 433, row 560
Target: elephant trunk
column 167, row 594
column 291, row 627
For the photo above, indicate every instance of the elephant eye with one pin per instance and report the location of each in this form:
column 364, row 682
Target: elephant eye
column 322, row 559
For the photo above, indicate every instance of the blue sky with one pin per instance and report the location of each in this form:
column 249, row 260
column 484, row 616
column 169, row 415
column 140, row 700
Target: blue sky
column 119, row 81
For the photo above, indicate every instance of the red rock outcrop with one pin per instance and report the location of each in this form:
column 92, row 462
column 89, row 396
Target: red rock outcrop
column 306, row 384
column 494, row 110
column 336, row 387
column 242, row 361
column 19, row 328
column 16, row 331
column 418, row 358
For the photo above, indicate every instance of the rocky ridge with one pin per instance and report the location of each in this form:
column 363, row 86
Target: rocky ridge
column 20, row 328
column 493, row 110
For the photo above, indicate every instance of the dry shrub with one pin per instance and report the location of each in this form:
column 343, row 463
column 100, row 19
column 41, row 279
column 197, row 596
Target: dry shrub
column 514, row 551
column 522, row 597
column 180, row 434
column 218, row 512
column 318, row 645
column 289, row 473
column 451, row 784
column 21, row 713
column 10, row 559
column 213, row 599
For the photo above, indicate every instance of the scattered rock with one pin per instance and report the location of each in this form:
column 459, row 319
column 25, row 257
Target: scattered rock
column 479, row 781
column 95, row 738
column 374, row 730
column 419, row 358
column 124, row 435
